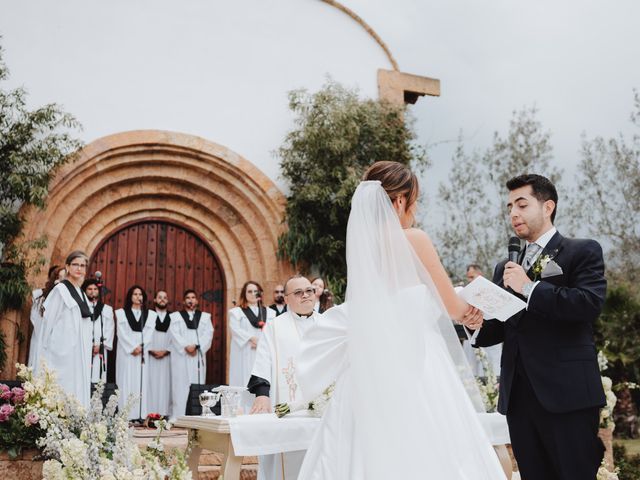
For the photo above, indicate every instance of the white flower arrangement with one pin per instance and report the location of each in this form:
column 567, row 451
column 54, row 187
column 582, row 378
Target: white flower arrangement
column 316, row 408
column 604, row 474
column 488, row 385
column 606, row 413
column 95, row 444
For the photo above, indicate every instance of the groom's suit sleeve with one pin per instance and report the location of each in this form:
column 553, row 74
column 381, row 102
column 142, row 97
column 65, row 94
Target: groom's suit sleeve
column 583, row 300
column 492, row 331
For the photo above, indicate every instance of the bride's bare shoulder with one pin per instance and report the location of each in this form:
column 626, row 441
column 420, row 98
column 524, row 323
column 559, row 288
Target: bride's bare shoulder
column 418, row 237
column 422, row 244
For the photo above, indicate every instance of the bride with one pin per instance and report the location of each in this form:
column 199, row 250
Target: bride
column 405, row 403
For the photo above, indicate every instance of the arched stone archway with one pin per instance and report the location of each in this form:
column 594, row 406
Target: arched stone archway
column 132, row 176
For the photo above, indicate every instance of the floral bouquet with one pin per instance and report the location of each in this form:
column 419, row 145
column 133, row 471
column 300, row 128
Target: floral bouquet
column 317, row 407
column 19, row 427
column 152, row 419
column 80, row 444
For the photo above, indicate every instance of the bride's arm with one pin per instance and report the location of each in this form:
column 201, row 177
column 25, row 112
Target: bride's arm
column 421, row 243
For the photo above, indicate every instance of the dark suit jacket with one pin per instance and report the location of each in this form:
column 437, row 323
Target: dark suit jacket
column 552, row 340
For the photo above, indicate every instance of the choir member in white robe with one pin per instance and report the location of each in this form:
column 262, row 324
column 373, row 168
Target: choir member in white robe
column 246, row 323
column 56, row 275
column 191, row 335
column 159, row 399
column 134, row 327
column 102, row 330
column 273, row 379
column 66, row 344
column 279, row 306
column 36, row 315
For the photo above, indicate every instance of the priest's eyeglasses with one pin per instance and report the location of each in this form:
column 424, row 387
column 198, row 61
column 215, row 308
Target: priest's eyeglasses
column 301, row 293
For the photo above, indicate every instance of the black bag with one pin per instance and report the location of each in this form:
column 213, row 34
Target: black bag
column 193, row 406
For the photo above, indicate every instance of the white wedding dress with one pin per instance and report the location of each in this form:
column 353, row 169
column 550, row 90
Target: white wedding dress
column 405, row 404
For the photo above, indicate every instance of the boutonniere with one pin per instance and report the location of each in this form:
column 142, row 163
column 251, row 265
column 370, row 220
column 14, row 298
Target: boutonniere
column 541, row 263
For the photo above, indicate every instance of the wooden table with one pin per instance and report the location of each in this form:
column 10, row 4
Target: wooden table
column 213, row 434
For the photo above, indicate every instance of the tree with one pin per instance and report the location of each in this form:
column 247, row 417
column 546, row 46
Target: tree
column 607, row 199
column 33, row 143
column 336, row 137
column 476, row 228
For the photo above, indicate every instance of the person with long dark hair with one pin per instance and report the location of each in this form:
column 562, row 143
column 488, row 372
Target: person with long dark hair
column 324, row 298
column 102, row 329
column 66, row 337
column 135, row 323
column 39, row 295
column 246, row 322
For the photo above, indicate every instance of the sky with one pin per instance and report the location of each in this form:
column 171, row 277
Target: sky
column 170, row 64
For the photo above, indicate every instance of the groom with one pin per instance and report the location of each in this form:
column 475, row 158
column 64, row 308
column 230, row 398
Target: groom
column 550, row 386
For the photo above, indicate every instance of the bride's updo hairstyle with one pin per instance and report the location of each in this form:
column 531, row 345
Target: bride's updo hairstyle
column 396, row 179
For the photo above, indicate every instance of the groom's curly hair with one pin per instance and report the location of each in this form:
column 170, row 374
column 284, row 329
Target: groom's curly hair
column 541, row 187
column 396, row 179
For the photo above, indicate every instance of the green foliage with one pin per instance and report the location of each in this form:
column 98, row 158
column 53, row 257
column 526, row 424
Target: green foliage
column 336, row 137
column 474, row 197
column 628, row 465
column 33, row 143
column 618, row 329
column 607, row 198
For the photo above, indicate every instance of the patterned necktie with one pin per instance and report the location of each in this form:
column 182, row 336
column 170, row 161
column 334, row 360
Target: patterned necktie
column 532, row 251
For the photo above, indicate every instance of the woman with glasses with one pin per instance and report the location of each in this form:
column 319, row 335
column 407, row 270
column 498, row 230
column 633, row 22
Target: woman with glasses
column 246, row 322
column 66, row 338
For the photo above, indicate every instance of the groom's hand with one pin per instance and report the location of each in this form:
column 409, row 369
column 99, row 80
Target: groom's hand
column 514, row 277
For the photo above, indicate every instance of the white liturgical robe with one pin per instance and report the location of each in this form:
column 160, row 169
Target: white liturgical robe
column 36, row 333
column 243, row 355
column 276, row 359
column 131, row 370
column 159, row 399
column 104, row 326
column 185, row 368
column 66, row 343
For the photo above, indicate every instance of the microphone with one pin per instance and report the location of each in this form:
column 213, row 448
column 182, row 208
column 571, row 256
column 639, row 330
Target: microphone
column 514, row 249
column 98, row 275
column 259, row 295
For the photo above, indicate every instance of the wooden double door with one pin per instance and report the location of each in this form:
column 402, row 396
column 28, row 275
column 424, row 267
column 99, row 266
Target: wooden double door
column 159, row 255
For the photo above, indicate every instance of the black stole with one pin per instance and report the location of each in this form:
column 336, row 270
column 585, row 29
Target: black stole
column 191, row 324
column 257, row 321
column 163, row 325
column 136, row 325
column 84, row 308
column 97, row 311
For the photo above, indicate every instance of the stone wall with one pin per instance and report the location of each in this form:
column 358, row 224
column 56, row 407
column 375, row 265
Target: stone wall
column 135, row 175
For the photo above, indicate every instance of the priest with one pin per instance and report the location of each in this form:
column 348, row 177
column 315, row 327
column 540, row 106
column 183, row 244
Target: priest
column 273, row 379
column 102, row 329
column 66, row 340
column 159, row 399
column 191, row 334
column 135, row 324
